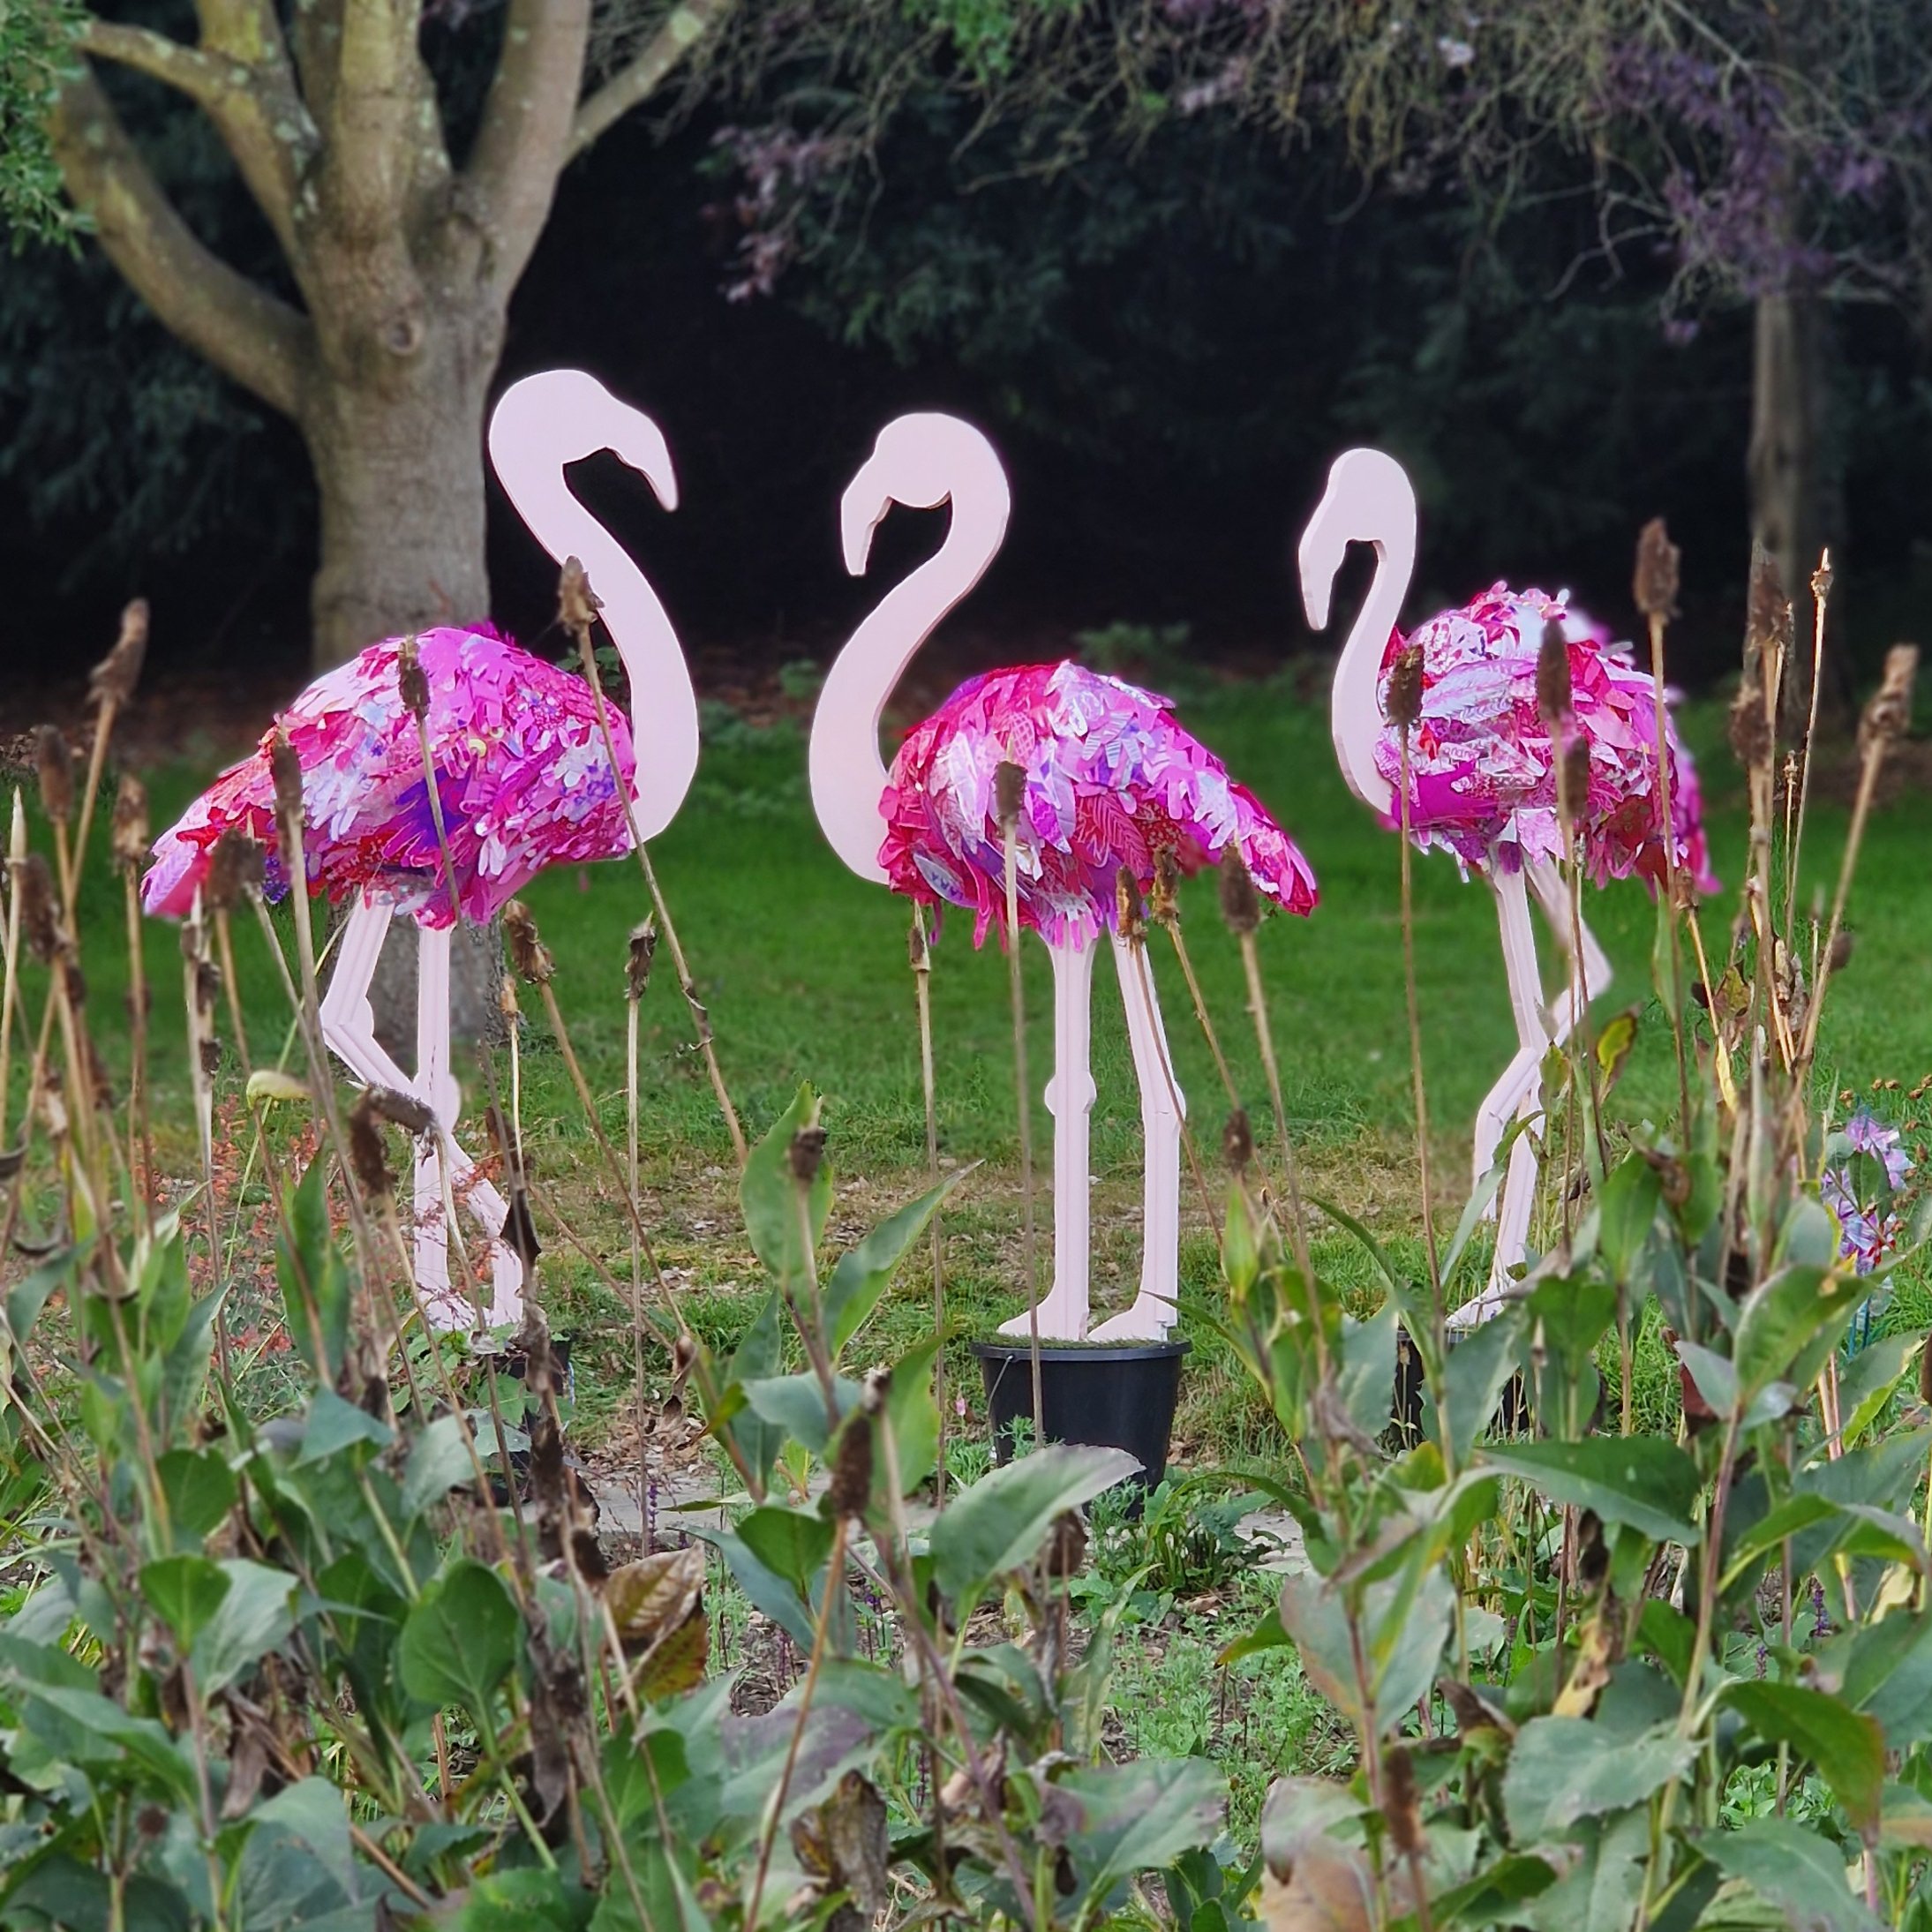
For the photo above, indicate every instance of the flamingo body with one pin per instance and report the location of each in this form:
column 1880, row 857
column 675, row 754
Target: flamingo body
column 523, row 780
column 1112, row 780
column 1483, row 763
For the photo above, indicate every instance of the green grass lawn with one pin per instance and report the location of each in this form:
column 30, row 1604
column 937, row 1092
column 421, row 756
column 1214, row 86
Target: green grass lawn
column 804, row 969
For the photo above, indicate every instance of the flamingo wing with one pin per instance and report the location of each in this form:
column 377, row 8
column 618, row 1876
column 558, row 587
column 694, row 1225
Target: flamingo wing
column 522, row 776
column 1112, row 780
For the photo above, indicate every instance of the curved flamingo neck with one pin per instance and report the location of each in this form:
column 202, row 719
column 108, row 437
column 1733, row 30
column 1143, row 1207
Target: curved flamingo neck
column 848, row 776
column 1355, row 713
column 664, row 727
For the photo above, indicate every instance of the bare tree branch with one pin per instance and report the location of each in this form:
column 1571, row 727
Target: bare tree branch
column 525, row 137
column 381, row 108
column 686, row 25
column 185, row 69
column 264, row 344
column 255, row 108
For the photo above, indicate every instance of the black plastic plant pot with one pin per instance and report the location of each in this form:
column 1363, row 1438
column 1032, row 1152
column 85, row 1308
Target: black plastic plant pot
column 1115, row 1397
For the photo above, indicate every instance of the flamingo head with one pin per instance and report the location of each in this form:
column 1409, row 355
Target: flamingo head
column 920, row 461
column 547, row 421
column 1368, row 499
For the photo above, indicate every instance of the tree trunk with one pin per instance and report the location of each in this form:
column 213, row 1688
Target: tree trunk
column 1793, row 486
column 399, row 468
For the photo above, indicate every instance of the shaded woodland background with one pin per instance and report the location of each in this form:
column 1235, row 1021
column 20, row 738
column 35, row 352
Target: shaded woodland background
column 1169, row 339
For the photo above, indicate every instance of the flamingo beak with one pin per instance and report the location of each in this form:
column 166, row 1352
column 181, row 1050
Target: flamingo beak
column 860, row 511
column 644, row 448
column 1320, row 558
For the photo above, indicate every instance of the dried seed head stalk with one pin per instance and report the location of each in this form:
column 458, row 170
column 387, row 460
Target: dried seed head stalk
column 56, row 760
column 1237, row 1141
column 366, row 1154
column 1401, row 702
column 850, row 1489
column 1750, row 728
column 530, row 958
column 411, row 681
column 577, row 604
column 1654, row 586
column 128, row 832
column 918, row 946
column 807, row 1154
column 285, row 769
column 1821, row 578
column 1164, row 901
column 112, row 680
column 40, row 917
column 235, row 871
column 1553, row 697
column 1132, row 920
column 1401, row 1806
column 642, row 949
column 400, row 1109
column 1767, row 616
column 1890, row 711
column 1840, row 955
column 1573, row 781
column 1240, row 902
column 1009, row 791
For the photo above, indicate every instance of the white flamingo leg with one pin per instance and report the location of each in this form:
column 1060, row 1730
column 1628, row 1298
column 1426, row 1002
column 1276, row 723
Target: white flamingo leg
column 349, row 1025
column 1588, row 978
column 1515, row 1092
column 1162, row 1108
column 1061, row 1316
column 435, row 1085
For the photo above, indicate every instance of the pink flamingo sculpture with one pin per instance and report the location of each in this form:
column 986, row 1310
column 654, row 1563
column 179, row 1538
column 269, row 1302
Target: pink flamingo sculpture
column 1112, row 780
column 522, row 776
column 1483, row 780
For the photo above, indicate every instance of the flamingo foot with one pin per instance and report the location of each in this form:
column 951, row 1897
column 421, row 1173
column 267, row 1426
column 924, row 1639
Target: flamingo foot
column 1061, row 1317
column 1149, row 1320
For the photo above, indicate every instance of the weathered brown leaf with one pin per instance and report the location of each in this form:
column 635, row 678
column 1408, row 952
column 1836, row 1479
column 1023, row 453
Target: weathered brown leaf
column 861, row 1849
column 650, row 1598
column 677, row 1662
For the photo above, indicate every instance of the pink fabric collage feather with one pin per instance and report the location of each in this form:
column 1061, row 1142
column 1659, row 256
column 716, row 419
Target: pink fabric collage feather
column 523, row 778
column 1483, row 764
column 1112, row 780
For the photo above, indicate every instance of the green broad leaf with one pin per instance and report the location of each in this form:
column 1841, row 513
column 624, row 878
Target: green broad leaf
column 1793, row 1869
column 1643, row 1481
column 1474, row 1375
column 1486, row 1897
column 1473, row 1210
column 298, row 1869
column 1406, row 1627
column 1627, row 1211
column 459, row 1639
column 1886, row 1669
column 1808, row 1237
column 1796, row 1513
column 27, row 1297
column 863, row 1274
column 997, row 1524
column 442, row 1460
column 1847, row 1746
column 759, row 1356
column 768, row 1592
column 1602, row 1881
column 255, row 1615
column 1669, row 1636
column 912, row 1415
column 334, row 1425
column 1411, row 1298
column 199, row 1489
column 1716, row 1381
column 1614, row 1040
column 1121, row 1819
column 1905, row 1824
column 793, row 1544
column 314, row 1284
column 1789, row 1324
column 524, row 1899
column 1269, row 1635
column 1240, row 1247
column 794, row 1405
column 83, row 1727
column 183, row 1591
column 1867, row 1383
column 782, row 1238
column 1564, row 1769
column 1367, row 1374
